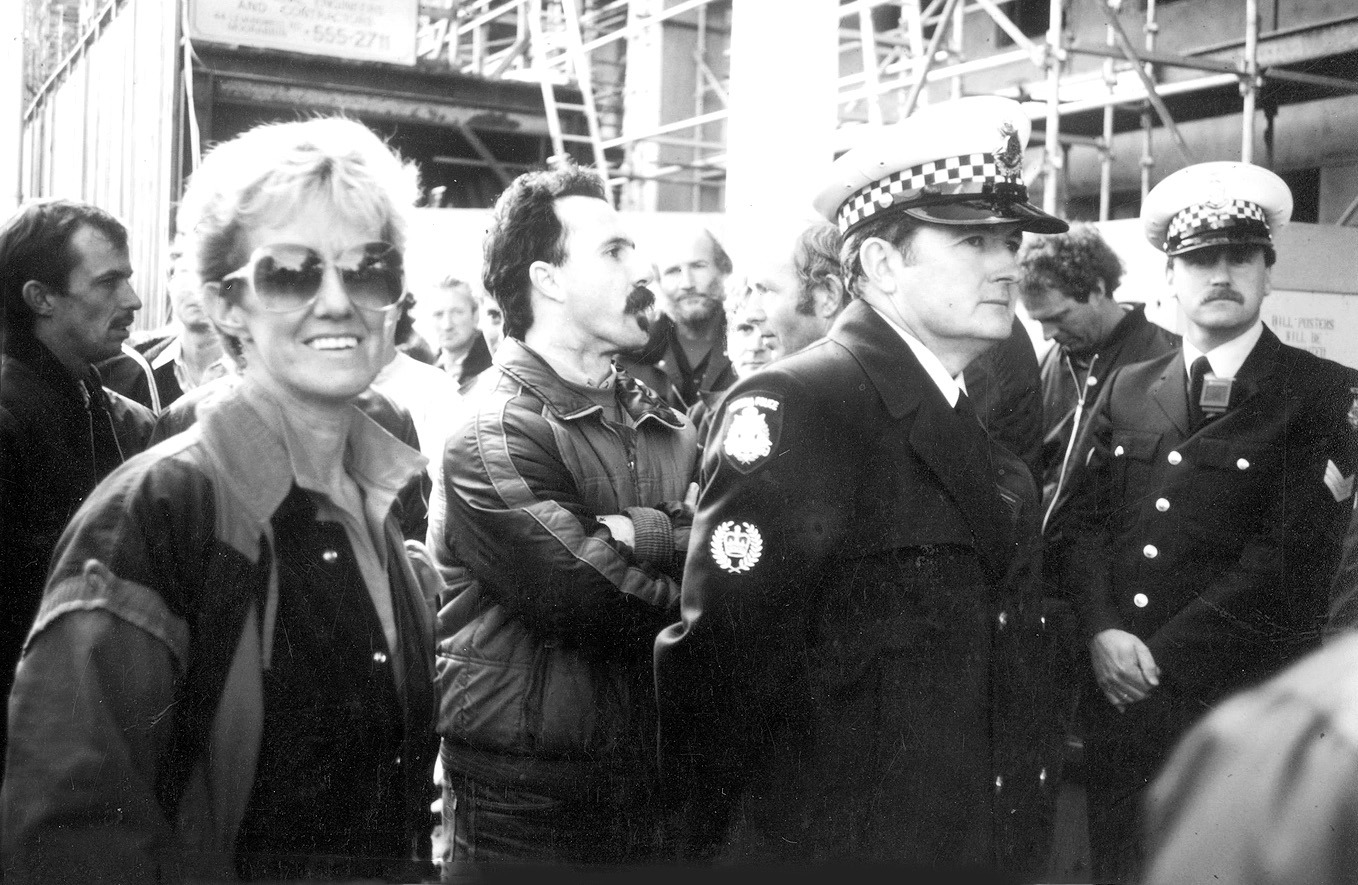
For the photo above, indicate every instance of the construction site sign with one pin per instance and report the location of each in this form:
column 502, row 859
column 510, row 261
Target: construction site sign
column 365, row 30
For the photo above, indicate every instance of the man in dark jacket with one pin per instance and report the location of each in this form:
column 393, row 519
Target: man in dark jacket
column 1207, row 523
column 453, row 310
column 855, row 635
column 64, row 272
column 560, row 528
column 156, row 369
column 1069, row 281
column 685, row 358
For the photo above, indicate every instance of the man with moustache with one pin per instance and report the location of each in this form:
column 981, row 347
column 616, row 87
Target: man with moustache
column 159, row 368
column 561, row 530
column 850, row 677
column 685, row 356
column 68, row 304
column 1209, row 518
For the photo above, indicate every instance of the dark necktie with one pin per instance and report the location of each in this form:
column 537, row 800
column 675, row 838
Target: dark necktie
column 1196, row 416
column 965, row 409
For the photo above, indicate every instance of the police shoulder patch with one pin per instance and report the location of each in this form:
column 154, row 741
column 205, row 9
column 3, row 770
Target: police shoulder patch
column 737, row 546
column 750, row 428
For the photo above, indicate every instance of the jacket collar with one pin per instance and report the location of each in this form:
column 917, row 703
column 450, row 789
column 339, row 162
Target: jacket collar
column 44, row 364
column 259, row 460
column 568, row 402
column 884, row 357
column 963, row 467
column 1170, row 391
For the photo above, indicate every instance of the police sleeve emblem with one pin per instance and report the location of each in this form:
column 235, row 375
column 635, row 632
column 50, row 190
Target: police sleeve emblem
column 736, row 547
column 751, row 431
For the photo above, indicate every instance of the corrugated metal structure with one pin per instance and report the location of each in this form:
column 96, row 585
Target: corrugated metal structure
column 103, row 129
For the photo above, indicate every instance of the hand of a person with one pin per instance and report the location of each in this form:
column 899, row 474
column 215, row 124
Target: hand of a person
column 1124, row 667
column 620, row 525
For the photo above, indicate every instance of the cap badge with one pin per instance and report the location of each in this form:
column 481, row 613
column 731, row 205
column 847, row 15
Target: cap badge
column 1216, row 193
column 736, row 547
column 1009, row 155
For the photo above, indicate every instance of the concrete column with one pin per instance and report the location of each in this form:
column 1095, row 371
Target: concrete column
column 784, row 65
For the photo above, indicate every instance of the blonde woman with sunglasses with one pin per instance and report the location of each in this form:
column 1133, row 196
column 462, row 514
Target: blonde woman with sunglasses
column 229, row 677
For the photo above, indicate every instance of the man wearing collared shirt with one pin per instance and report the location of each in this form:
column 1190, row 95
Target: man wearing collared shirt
column 1208, row 520
column 853, row 634
column 453, row 311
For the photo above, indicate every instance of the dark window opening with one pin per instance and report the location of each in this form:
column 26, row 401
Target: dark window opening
column 1032, row 17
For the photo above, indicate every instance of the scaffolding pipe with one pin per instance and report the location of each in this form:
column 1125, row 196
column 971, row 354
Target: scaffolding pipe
column 1051, row 153
column 699, row 104
column 1215, row 81
column 868, row 43
column 958, row 19
column 1147, row 139
column 954, row 71
column 1249, row 81
column 676, row 126
column 1151, row 95
column 1106, row 155
column 930, row 51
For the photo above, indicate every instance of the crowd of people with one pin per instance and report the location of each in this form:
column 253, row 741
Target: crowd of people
column 640, row 556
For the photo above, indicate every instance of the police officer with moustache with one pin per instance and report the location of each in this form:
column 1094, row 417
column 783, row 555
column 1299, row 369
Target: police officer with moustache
column 1208, row 522
column 853, row 635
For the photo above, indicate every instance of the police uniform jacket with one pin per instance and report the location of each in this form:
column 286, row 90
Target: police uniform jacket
column 841, row 681
column 1215, row 547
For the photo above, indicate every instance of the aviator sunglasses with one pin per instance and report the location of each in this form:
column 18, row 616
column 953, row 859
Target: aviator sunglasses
column 287, row 277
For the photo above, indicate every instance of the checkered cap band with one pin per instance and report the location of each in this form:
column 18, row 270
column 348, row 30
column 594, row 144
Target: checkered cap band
column 881, row 194
column 1195, row 221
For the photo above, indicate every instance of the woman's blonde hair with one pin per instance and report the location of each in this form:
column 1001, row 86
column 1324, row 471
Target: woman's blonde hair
column 260, row 176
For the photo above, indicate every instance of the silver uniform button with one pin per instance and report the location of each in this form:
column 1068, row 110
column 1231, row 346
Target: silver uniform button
column 999, row 782
column 330, row 557
column 1162, row 504
column 1243, row 464
column 1150, row 551
column 1117, row 453
column 1175, row 457
column 1002, row 619
column 380, row 657
column 1042, row 777
column 1141, row 600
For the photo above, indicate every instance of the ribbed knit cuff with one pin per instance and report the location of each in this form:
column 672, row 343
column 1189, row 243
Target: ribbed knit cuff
column 654, row 534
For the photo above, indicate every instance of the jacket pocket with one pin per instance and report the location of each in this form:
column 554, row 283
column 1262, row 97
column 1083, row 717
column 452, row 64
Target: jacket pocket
column 504, row 690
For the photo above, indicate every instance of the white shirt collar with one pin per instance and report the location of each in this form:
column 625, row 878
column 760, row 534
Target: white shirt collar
column 950, row 387
column 1226, row 359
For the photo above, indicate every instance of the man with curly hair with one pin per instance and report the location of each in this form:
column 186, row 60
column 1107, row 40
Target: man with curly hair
column 1068, row 286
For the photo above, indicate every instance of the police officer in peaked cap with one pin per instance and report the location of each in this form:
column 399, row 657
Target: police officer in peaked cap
column 1209, row 520
column 855, row 605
